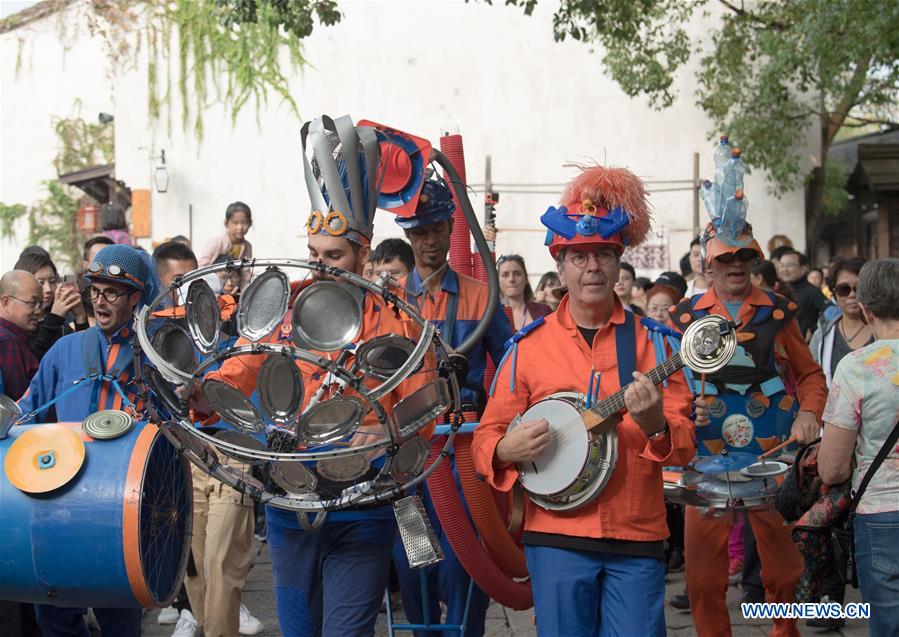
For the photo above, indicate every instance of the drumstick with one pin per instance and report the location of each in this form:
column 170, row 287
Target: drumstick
column 702, row 387
column 770, row 451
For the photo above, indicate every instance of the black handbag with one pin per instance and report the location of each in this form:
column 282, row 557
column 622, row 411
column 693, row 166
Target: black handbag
column 842, row 534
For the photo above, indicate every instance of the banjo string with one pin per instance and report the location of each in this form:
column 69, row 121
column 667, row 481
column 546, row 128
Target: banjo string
column 616, row 400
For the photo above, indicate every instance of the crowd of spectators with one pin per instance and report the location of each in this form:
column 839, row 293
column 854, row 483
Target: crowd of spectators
column 843, row 308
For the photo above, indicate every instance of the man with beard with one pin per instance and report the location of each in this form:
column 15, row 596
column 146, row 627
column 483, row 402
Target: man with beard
column 330, row 582
column 90, row 371
column 454, row 303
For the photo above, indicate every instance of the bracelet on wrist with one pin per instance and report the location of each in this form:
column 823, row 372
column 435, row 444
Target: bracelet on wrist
column 661, row 433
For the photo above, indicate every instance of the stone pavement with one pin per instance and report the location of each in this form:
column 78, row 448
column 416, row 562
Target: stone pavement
column 502, row 622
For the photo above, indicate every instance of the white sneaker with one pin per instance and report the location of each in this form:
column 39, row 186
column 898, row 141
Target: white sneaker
column 187, row 626
column 249, row 625
column 168, row 615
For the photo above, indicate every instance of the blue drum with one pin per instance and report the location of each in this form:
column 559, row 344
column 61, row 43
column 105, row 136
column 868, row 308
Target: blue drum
column 750, row 423
column 114, row 531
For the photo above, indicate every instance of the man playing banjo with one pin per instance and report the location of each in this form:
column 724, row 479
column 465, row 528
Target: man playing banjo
column 598, row 565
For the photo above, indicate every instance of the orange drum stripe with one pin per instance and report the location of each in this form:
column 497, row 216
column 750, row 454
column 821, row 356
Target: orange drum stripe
column 131, row 517
column 104, row 390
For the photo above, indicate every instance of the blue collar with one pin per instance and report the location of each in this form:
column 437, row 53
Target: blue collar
column 450, row 281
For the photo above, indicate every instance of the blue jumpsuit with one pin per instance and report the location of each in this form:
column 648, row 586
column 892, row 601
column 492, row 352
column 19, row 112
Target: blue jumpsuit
column 62, row 366
column 461, row 303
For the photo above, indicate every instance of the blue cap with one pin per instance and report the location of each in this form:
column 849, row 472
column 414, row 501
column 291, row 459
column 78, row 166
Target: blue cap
column 435, row 204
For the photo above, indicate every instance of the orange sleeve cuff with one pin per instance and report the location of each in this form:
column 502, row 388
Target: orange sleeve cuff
column 484, row 453
column 811, row 385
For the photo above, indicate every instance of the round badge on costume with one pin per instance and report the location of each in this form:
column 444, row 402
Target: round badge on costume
column 737, row 430
column 718, row 408
column 755, row 408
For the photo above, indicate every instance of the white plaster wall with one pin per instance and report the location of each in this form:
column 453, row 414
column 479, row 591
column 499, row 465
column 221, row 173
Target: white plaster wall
column 59, row 64
column 514, row 93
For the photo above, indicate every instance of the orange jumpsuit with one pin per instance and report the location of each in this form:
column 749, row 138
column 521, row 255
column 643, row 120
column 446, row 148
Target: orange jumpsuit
column 555, row 357
column 706, row 536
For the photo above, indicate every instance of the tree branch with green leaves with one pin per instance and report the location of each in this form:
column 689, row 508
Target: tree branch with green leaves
column 768, row 71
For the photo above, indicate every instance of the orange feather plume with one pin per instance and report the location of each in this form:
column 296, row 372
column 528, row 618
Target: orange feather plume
column 611, row 187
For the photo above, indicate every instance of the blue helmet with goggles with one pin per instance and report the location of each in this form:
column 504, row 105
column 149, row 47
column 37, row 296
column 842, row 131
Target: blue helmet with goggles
column 435, row 204
column 129, row 266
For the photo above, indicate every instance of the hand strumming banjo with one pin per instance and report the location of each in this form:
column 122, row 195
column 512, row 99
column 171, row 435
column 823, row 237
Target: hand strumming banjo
column 583, row 449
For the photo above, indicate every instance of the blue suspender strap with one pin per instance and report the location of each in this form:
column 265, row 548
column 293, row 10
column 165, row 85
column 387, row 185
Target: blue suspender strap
column 59, row 397
column 449, row 320
column 626, row 348
column 92, row 358
column 452, row 307
column 115, row 384
column 499, row 367
column 512, row 352
column 658, row 344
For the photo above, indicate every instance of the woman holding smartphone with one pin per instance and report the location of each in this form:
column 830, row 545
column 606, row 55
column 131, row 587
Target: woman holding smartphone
column 63, row 312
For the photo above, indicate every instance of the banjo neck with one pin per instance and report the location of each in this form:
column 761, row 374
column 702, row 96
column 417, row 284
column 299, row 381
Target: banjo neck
column 607, row 411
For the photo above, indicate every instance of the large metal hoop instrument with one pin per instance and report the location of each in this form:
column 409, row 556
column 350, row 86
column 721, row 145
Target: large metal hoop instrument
column 312, row 466
column 583, row 450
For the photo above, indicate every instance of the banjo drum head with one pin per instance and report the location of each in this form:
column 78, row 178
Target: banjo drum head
column 564, row 459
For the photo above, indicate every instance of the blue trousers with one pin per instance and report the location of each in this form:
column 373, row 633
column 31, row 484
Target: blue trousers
column 330, row 583
column 590, row 594
column 876, row 543
column 447, row 583
column 55, row 621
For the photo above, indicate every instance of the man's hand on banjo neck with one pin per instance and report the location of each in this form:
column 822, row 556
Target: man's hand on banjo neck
column 643, row 401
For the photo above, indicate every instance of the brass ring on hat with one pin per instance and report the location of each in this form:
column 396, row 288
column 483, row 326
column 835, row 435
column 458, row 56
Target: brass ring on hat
column 587, row 207
column 314, row 222
column 335, row 223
